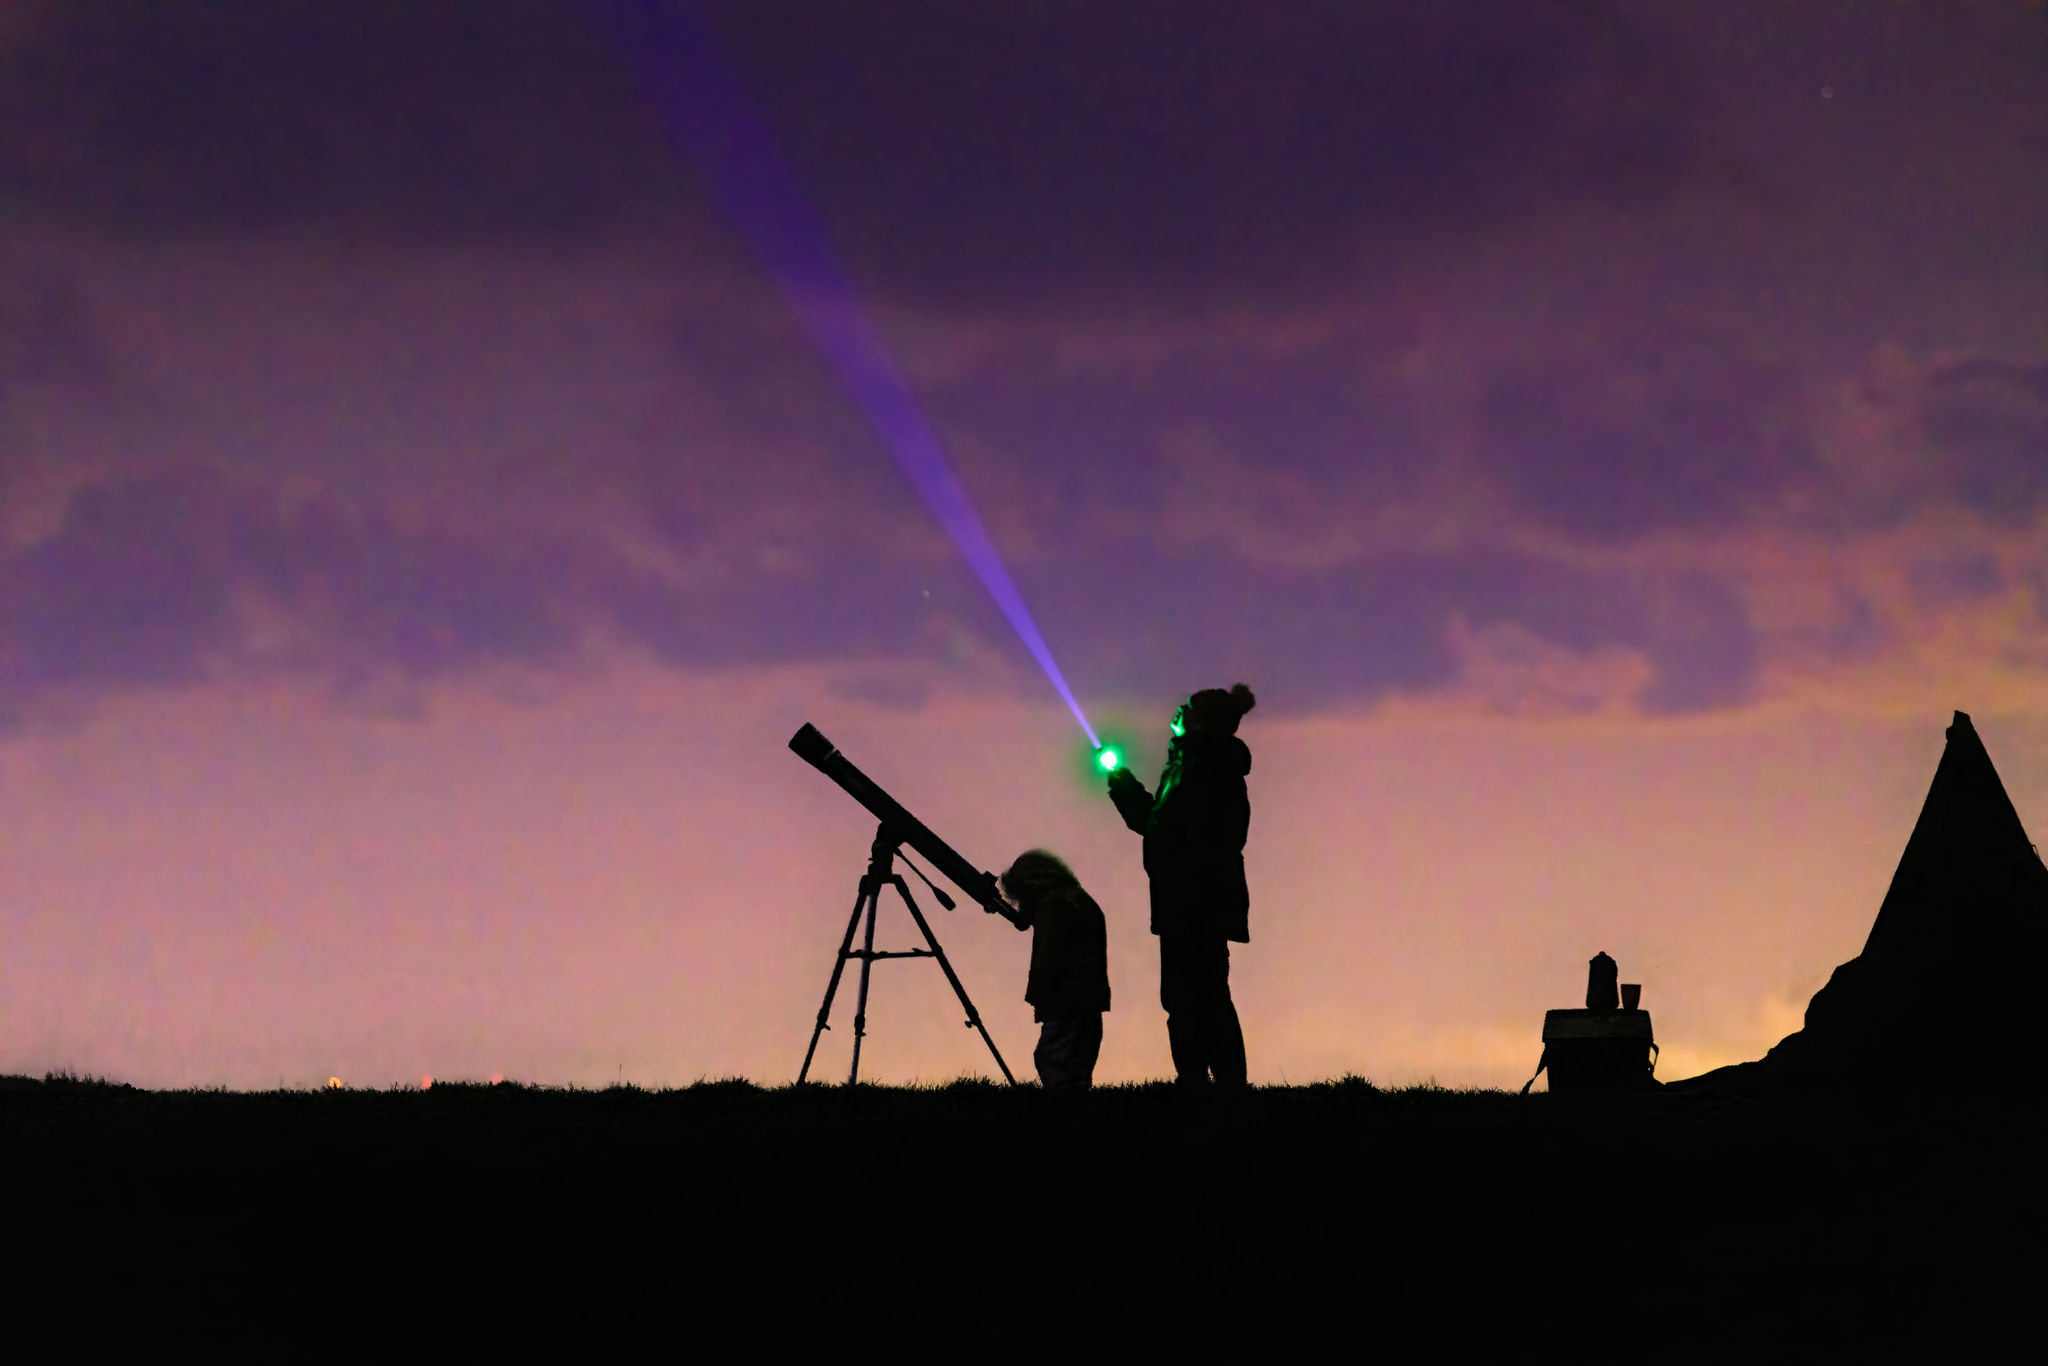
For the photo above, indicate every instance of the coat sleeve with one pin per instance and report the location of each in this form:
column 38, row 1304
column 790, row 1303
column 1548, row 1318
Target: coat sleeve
column 1133, row 802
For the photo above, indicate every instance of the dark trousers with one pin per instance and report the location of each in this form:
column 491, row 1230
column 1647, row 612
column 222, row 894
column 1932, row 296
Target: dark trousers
column 1067, row 1049
column 1201, row 1019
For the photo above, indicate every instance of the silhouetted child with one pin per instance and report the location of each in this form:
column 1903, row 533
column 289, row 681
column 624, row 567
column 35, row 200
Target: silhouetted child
column 1069, row 984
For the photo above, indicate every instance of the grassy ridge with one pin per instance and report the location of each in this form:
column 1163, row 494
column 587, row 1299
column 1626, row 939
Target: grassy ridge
column 1338, row 1199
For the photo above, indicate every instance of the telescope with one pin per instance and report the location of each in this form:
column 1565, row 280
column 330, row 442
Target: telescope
column 898, row 825
column 898, row 828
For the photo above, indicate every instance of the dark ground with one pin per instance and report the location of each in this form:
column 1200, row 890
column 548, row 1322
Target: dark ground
column 1335, row 1208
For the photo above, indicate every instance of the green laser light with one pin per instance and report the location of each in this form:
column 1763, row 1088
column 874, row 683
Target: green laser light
column 1109, row 759
column 1180, row 727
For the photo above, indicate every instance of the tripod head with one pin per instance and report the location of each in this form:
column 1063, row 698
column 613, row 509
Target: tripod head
column 898, row 825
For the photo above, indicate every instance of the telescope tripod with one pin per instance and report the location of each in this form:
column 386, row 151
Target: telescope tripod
column 882, row 873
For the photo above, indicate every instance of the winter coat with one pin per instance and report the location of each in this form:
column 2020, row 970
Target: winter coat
column 1069, row 951
column 1194, row 831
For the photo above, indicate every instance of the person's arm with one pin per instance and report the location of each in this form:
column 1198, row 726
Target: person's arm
column 1133, row 802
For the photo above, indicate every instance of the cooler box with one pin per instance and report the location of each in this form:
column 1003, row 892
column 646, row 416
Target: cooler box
column 1599, row 1050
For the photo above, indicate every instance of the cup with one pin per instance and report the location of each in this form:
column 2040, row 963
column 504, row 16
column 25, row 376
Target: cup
column 1631, row 995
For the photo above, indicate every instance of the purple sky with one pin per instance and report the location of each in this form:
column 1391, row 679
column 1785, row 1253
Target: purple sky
column 1580, row 380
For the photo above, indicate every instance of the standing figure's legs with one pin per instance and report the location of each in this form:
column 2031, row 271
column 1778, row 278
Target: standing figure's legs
column 1226, row 1035
column 1201, row 1019
column 1180, row 994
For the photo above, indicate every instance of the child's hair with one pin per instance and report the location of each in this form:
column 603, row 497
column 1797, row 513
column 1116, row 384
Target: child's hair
column 1035, row 873
column 1221, row 710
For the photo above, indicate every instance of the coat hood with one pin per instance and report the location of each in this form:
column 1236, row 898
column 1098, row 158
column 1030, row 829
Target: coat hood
column 1206, row 749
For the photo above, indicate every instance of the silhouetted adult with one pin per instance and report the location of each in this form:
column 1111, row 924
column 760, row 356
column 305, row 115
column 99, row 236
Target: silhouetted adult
column 1194, row 829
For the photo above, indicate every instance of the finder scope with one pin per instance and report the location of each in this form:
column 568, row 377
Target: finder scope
column 813, row 748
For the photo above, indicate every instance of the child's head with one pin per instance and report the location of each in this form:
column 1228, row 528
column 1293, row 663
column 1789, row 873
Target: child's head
column 1034, row 874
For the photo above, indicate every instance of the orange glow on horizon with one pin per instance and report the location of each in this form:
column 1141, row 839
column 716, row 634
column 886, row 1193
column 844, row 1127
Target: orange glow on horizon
column 1424, row 887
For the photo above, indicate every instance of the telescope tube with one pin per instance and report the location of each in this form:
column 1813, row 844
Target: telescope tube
column 810, row 745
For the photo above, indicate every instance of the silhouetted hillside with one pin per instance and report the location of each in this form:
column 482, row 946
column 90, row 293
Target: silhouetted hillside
column 781, row 1211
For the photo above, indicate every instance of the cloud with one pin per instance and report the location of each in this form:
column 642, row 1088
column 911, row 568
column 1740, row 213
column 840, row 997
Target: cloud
column 1851, row 630
column 866, row 606
column 755, row 524
column 420, row 601
column 1138, row 621
column 135, row 588
column 432, row 120
column 1911, row 437
column 1376, row 505
column 1652, row 433
column 1698, row 633
column 1066, row 452
column 183, row 576
column 1071, row 154
column 1986, row 425
column 1084, row 154
column 49, row 340
column 46, row 331
column 1959, row 576
column 893, row 692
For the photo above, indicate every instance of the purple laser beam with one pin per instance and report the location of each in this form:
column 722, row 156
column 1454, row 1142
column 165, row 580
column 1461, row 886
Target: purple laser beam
column 706, row 109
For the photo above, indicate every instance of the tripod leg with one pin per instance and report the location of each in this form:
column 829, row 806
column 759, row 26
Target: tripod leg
column 832, row 987
column 867, row 963
column 973, row 1015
